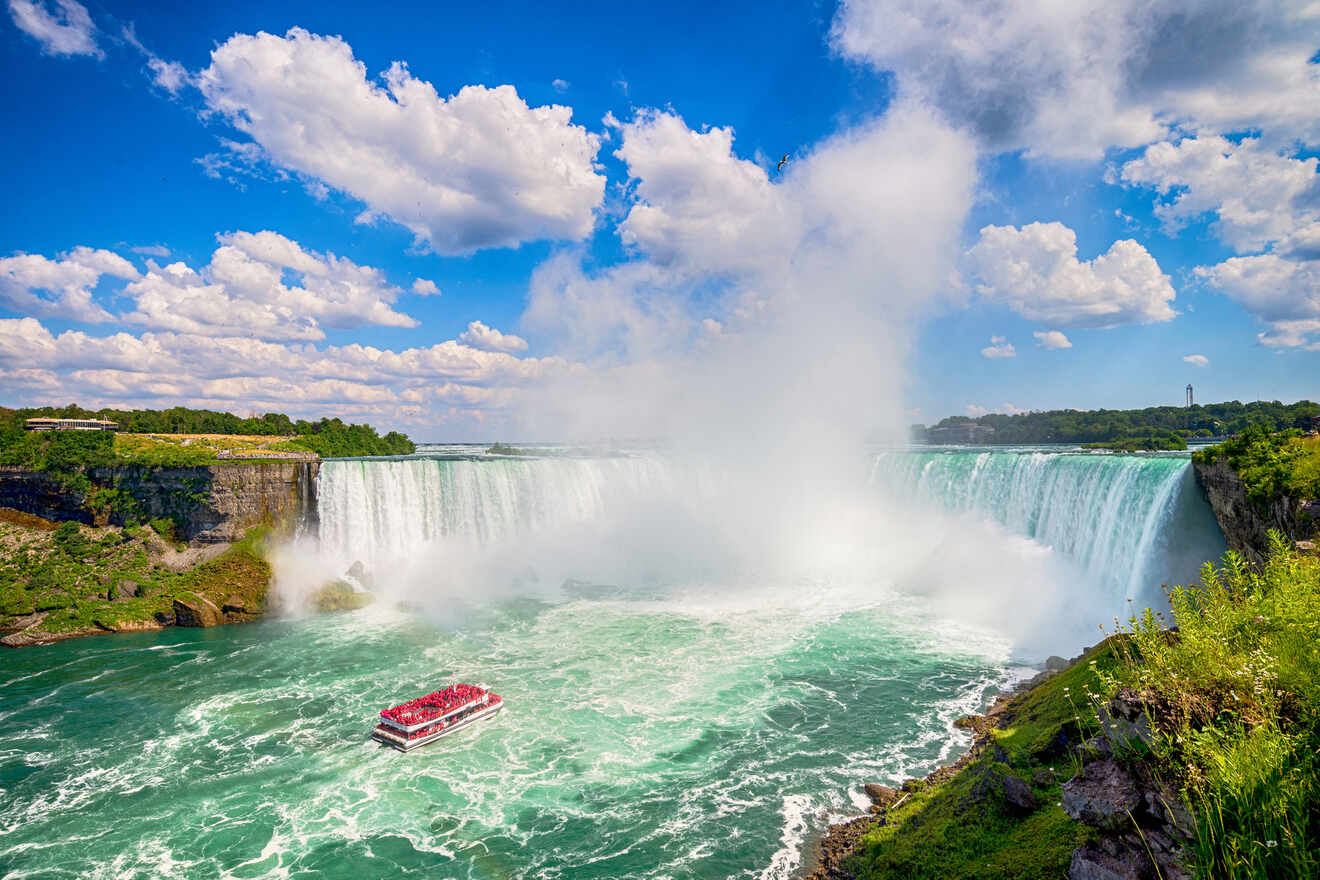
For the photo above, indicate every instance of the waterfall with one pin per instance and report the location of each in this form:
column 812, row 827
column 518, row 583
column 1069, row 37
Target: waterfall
column 1131, row 522
column 1128, row 522
column 378, row 510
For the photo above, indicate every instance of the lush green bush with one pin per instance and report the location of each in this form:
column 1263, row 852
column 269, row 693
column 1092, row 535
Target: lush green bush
column 326, row 437
column 58, row 452
column 1271, row 464
column 69, row 538
column 1168, row 442
column 331, row 438
column 164, row 526
column 1235, row 697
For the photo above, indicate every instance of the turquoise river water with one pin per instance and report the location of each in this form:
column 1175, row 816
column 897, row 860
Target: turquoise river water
column 674, row 731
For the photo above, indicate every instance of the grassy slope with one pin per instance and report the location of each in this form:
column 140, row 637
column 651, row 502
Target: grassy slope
column 948, row 830
column 1237, row 693
column 70, row 579
column 188, row 450
column 1234, row 699
column 1271, row 465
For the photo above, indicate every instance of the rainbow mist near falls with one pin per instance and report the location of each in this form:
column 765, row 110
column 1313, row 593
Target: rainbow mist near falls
column 692, row 691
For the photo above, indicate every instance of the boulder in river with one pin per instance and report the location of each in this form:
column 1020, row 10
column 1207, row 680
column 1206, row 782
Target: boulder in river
column 236, row 604
column 191, row 609
column 340, row 596
column 880, row 795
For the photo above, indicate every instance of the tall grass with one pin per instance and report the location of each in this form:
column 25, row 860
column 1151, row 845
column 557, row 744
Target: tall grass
column 1234, row 693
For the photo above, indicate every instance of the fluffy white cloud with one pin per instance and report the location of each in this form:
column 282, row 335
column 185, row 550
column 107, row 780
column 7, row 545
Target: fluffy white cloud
column 243, row 292
column 1035, row 271
column 1071, row 79
column 1197, row 360
column 810, row 278
column 70, row 280
column 478, row 335
column 1301, row 244
column 424, row 287
column 1257, row 194
column 476, row 170
column 999, row 347
column 66, row 30
column 845, row 222
column 696, row 202
column 169, row 75
column 1284, row 294
column 1261, row 198
column 241, row 373
column 1051, row 339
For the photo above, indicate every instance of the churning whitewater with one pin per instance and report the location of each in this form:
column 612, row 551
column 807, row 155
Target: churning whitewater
column 662, row 721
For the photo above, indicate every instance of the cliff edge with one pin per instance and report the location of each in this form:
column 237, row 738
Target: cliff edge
column 1247, row 523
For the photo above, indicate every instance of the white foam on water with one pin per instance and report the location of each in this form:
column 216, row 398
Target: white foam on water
column 788, row 857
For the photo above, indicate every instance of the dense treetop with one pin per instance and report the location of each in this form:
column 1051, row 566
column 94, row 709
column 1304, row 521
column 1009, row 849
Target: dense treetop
column 1092, row 426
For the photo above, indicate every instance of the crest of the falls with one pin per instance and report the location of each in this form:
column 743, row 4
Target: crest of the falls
column 384, row 510
column 1128, row 522
column 1131, row 522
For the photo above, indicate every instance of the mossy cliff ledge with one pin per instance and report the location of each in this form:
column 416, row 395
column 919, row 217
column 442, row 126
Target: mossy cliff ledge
column 1246, row 523
column 1042, row 792
column 62, row 581
column 207, row 503
column 1183, row 745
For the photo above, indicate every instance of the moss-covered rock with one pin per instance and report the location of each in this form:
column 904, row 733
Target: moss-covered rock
column 340, row 596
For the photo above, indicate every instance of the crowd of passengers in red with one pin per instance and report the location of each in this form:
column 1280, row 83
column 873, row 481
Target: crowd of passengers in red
column 435, row 705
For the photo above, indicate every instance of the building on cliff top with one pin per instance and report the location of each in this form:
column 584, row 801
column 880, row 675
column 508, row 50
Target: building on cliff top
column 43, row 424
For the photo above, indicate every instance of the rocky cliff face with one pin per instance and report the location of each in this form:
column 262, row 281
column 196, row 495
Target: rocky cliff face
column 1244, row 524
column 210, row 504
column 42, row 495
column 218, row 503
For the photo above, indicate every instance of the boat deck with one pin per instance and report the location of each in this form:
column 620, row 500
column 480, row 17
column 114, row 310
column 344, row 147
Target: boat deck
column 383, row 734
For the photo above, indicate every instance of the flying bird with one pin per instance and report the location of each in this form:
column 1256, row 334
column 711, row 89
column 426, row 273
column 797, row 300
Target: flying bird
column 782, row 163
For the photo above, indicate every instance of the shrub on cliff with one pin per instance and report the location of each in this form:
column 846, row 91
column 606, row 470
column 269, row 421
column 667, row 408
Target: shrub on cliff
column 1235, row 698
column 1271, row 465
column 331, row 438
column 58, row 452
column 1168, row 442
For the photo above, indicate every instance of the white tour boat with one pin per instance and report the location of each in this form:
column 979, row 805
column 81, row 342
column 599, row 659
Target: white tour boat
column 427, row 719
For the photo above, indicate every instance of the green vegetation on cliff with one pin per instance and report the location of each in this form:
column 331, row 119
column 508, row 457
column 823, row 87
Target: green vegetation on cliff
column 1226, row 713
column 1234, row 699
column 1165, row 443
column 1271, row 465
column 78, row 579
column 326, row 437
column 1094, row 426
column 963, row 825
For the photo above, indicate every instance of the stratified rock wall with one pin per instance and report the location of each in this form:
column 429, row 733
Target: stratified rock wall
column 209, row 504
column 1245, row 525
column 42, row 495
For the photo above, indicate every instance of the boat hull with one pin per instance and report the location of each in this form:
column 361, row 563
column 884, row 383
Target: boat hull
column 407, row 745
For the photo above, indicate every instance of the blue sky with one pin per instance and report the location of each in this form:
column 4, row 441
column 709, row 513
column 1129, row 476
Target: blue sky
column 133, row 134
